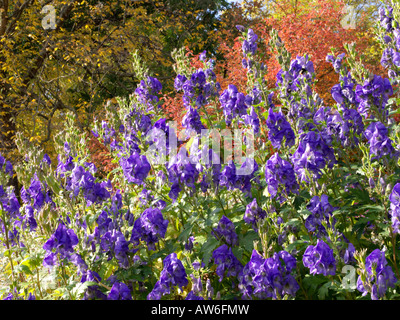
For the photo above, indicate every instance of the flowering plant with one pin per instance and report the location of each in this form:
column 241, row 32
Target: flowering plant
column 308, row 191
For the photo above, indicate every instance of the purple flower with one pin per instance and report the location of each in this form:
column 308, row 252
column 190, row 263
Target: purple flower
column 135, row 168
column 319, row 259
column 321, row 210
column 374, row 93
column 253, row 214
column 379, row 276
column 62, row 242
column 268, row 278
column 150, row 227
column 279, row 129
column 192, row 296
column 312, row 154
column 394, row 199
column 172, row 275
column 147, row 92
column 279, row 172
column 227, row 264
column 225, row 231
column 120, row 291
column 380, row 144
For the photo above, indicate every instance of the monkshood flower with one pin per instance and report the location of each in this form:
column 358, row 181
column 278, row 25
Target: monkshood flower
column 379, row 143
column 227, row 264
column 225, row 231
column 353, row 124
column 249, row 46
column 319, row 259
column 268, row 278
column 234, row 103
column 297, row 78
column 279, row 129
column 145, row 196
column 92, row 292
column 244, row 176
column 313, row 154
column 172, row 275
column 119, row 291
column 108, row 133
column 321, row 210
column 6, row 166
column 189, row 244
column 377, row 276
column 192, row 296
column 77, row 260
column 114, row 243
column 394, row 199
column 147, row 92
column 344, row 92
column 386, row 19
column 60, row 243
column 231, row 178
column 9, row 202
column 181, row 172
column 252, row 120
column 374, row 93
column 136, row 121
column 30, row 218
column 336, row 62
column 199, row 88
column 279, row 172
column 192, row 121
column 162, row 136
column 254, row 214
column 390, row 59
column 63, row 167
column 135, row 168
column 38, row 192
column 93, row 192
column 150, row 227
column 211, row 170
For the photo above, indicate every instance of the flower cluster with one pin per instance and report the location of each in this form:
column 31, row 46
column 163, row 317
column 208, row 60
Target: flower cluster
column 135, row 168
column 254, row 214
column 147, row 92
column 377, row 276
column 37, row 192
column 232, row 179
column 268, row 278
column 279, row 130
column 394, row 199
column 297, row 80
column 279, row 172
column 312, row 155
column 60, row 243
column 150, row 227
column 199, row 88
column 234, row 103
column 379, row 143
column 321, row 210
column 227, row 264
column 173, row 274
column 225, row 231
column 336, row 62
column 320, row 259
column 93, row 192
column 374, row 96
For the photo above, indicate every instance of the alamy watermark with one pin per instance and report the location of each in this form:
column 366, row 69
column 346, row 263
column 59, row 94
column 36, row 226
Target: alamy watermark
column 349, row 20
column 349, row 280
column 235, row 141
column 49, row 20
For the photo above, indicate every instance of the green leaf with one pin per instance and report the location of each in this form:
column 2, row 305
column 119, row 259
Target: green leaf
column 208, row 248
